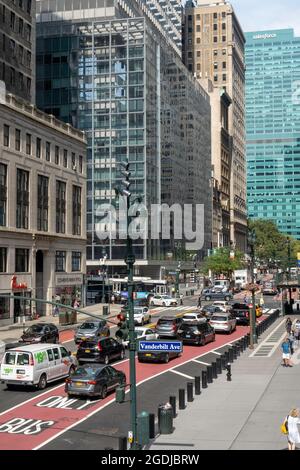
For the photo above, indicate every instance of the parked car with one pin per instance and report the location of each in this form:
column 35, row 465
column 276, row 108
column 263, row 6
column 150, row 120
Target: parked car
column 94, row 380
column 157, row 356
column 193, row 316
column 36, row 364
column 168, row 326
column 212, row 294
column 223, row 322
column 196, row 332
column 91, row 330
column 103, row 350
column 142, row 333
column 40, row 333
column 163, row 300
column 241, row 313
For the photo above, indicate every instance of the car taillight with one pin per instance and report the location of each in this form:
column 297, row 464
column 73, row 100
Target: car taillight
column 99, row 347
column 31, row 361
column 174, row 327
column 68, row 381
column 92, row 382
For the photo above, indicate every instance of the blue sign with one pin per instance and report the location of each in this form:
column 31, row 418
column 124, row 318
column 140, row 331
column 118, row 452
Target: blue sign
column 158, row 346
column 298, row 262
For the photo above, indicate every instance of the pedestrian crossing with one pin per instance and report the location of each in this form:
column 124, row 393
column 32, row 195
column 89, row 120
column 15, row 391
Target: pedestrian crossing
column 181, row 308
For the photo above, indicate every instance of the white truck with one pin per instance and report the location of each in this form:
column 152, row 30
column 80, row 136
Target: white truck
column 241, row 278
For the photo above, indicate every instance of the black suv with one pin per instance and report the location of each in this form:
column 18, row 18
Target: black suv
column 196, row 332
column 167, row 327
column 40, row 333
column 103, row 350
column 241, row 313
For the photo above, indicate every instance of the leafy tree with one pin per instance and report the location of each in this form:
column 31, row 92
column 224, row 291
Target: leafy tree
column 220, row 262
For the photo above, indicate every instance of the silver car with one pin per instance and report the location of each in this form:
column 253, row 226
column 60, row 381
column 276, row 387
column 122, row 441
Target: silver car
column 223, row 322
column 91, row 330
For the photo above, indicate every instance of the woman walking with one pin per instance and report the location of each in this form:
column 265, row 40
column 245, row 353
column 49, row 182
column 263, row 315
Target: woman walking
column 293, row 432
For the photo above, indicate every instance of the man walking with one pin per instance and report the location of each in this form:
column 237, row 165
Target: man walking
column 199, row 302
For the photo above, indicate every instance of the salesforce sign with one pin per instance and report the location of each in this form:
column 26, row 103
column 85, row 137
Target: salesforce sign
column 265, row 36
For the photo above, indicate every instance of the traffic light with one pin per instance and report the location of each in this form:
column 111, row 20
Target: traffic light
column 123, row 331
column 125, row 182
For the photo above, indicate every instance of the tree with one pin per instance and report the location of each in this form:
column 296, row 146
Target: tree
column 222, row 263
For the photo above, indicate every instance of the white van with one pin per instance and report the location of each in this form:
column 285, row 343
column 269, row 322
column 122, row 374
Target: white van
column 36, row 364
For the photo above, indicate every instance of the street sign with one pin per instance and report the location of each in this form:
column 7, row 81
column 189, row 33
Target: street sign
column 172, row 273
column 298, row 262
column 166, row 346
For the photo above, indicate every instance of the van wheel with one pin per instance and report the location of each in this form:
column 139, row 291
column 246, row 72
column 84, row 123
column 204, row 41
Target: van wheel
column 167, row 358
column 42, row 382
column 71, row 370
column 207, row 298
column 227, row 298
column 104, row 391
column 106, row 360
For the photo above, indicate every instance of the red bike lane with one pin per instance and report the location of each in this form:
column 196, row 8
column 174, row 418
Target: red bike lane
column 41, row 419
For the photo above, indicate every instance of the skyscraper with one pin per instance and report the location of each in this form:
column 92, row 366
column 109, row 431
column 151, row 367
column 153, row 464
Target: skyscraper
column 273, row 127
column 17, row 47
column 213, row 48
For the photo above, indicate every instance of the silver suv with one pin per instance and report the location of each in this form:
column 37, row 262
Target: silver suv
column 223, row 322
column 91, row 330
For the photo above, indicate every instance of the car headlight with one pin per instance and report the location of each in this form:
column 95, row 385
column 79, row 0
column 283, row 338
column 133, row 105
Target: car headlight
column 37, row 339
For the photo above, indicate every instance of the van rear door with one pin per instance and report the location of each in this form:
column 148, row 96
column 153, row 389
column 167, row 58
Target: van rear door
column 17, row 366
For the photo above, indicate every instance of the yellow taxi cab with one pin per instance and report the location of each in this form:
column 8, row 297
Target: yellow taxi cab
column 258, row 310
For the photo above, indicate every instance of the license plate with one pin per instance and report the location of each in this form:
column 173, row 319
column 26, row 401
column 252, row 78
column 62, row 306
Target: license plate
column 20, row 371
column 83, row 338
column 148, row 355
column 87, row 350
column 79, row 384
column 188, row 336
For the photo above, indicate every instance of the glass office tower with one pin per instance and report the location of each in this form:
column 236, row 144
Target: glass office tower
column 273, row 127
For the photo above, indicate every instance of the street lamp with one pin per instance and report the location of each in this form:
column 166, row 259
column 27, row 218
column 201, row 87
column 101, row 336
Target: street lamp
column 251, row 245
column 130, row 260
column 103, row 261
column 178, row 271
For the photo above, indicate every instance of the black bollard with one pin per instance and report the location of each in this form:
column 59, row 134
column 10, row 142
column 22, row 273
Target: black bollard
column 230, row 354
column 214, row 370
column 123, row 443
column 234, row 352
column 197, row 385
column 219, row 365
column 238, row 348
column 204, row 379
column 151, row 425
column 228, row 375
column 172, row 402
column 223, row 361
column 181, row 399
column 209, row 374
column 190, row 392
column 226, row 354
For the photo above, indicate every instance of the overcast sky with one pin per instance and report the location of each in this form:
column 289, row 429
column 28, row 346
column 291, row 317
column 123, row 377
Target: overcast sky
column 268, row 14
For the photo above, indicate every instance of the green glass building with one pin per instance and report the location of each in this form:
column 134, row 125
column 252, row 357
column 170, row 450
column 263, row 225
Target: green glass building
column 273, row 127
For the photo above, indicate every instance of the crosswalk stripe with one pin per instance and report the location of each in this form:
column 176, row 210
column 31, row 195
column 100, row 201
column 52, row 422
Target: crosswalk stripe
column 180, row 373
column 200, row 362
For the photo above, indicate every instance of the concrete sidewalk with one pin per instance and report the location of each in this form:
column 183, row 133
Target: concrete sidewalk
column 245, row 413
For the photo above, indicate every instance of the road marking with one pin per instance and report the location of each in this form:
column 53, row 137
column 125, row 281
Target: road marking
column 215, row 352
column 274, row 343
column 180, row 373
column 200, row 362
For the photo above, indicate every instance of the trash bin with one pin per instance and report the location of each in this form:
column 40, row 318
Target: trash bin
column 63, row 319
column 165, row 419
column 105, row 310
column 73, row 318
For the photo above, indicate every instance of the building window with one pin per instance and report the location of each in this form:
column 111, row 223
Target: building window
column 215, row 39
column 215, row 15
column 18, row 139
column 38, row 147
column 28, row 144
column 223, row 14
column 215, row 27
column 12, row 76
column 76, row 260
column 198, row 28
column 21, row 26
column 6, row 135
column 65, row 162
column 198, row 53
column 190, row 67
column 48, row 148
column 198, row 40
column 21, row 4
column 12, row 20
column 60, row 261
column 224, row 51
column 21, row 81
column 224, row 77
column 223, row 26
column 42, row 203
column 4, row 308
column 215, row 65
column 28, row 32
column 28, row 6
column 73, row 160
column 56, row 154
column 198, row 17
column 80, row 163
column 21, row 54
column 215, row 78
column 224, row 38
column 3, row 194
column 28, row 59
column 22, row 260
column 28, row 85
column 3, row 259
column 22, row 198
column 76, row 210
column 60, row 207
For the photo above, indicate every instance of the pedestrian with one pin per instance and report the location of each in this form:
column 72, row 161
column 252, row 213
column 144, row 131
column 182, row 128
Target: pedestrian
column 293, row 436
column 288, row 325
column 199, row 302
column 181, row 299
column 286, row 353
column 112, row 299
column 55, row 311
column 245, row 299
column 291, row 340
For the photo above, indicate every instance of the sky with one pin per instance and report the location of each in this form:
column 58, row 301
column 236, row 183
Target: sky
column 257, row 15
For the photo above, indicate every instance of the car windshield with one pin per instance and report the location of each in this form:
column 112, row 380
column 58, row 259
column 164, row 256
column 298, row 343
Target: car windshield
column 88, row 326
column 85, row 372
column 189, row 317
column 189, row 327
column 166, row 297
column 240, row 306
column 219, row 318
column 138, row 311
column 164, row 322
column 35, row 329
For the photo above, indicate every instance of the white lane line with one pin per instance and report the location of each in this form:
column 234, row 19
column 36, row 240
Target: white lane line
column 215, row 352
column 276, row 344
column 113, row 400
column 180, row 373
column 200, row 362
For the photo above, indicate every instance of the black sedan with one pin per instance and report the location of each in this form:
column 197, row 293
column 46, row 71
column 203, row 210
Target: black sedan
column 196, row 332
column 94, row 380
column 40, row 333
column 103, row 350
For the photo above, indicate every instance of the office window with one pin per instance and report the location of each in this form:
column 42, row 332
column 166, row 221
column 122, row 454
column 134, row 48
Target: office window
column 28, row 6
column 80, row 163
column 223, row 14
column 12, row 76
column 215, row 39
column 215, row 15
column 21, row 81
column 3, row 193
column 215, row 27
column 60, row 207
column 28, row 32
column 38, row 147
column 3, row 260
column 198, row 17
column 60, row 261
column 73, row 160
column 48, row 148
column 224, row 65
column 42, row 203
column 190, row 66
column 56, row 156
column 76, row 260
column 12, row 20
column 21, row 4
column 28, row 59
column 215, row 52
column 224, row 77
column 21, row 26
column 224, row 38
column 28, row 85
column 22, row 198
column 28, row 144
column 76, row 210
column 65, row 161
column 198, row 53
column 22, row 260
column 18, row 139
column 223, row 26
column 198, row 40
column 224, row 51
column 215, row 65
column 198, row 28
column 215, row 78
column 6, row 135
column 198, row 66
column 21, row 54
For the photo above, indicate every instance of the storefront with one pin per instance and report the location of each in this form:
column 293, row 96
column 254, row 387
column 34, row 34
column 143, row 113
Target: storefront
column 69, row 288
